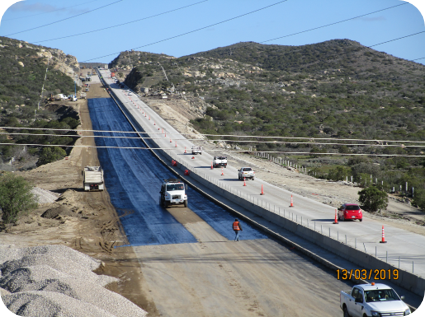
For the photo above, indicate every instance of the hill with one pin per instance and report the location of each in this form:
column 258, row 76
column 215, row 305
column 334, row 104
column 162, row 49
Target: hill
column 337, row 88
column 23, row 68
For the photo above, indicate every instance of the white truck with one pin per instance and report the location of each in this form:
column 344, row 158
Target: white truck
column 93, row 178
column 246, row 172
column 173, row 192
column 372, row 300
column 220, row 161
column 196, row 150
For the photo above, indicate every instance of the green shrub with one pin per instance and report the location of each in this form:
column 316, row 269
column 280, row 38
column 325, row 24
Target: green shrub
column 373, row 199
column 50, row 154
column 15, row 197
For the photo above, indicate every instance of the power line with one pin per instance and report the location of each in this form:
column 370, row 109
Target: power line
column 193, row 31
column 71, row 17
column 122, row 24
column 60, row 9
column 399, row 38
column 211, row 150
column 219, row 135
column 223, row 140
column 330, row 24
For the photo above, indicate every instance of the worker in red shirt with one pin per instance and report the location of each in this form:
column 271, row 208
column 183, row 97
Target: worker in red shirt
column 237, row 228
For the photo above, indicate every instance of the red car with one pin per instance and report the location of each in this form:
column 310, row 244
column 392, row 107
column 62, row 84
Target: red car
column 350, row 211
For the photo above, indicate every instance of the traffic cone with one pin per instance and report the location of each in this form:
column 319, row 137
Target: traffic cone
column 212, row 166
column 185, row 150
column 171, row 141
column 193, row 157
column 154, row 123
column 222, row 174
column 262, row 190
column 336, row 218
column 292, row 202
column 383, row 236
column 244, row 182
column 176, row 143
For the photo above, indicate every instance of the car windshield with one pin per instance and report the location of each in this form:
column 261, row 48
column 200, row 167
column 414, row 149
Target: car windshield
column 222, row 158
column 352, row 207
column 175, row 187
column 247, row 169
column 381, row 295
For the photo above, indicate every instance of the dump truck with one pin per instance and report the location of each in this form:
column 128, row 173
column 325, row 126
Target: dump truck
column 93, row 178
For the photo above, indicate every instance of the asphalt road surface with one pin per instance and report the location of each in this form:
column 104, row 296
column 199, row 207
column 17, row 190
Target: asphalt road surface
column 188, row 258
column 401, row 244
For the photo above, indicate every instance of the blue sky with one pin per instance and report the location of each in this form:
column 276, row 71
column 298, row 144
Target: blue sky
column 25, row 21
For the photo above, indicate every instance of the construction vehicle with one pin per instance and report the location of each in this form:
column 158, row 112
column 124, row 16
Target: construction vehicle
column 93, row 178
column 173, row 192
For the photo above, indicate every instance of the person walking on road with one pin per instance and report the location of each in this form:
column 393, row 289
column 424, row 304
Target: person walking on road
column 237, row 228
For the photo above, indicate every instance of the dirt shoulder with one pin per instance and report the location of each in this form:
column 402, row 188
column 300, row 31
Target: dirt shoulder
column 84, row 221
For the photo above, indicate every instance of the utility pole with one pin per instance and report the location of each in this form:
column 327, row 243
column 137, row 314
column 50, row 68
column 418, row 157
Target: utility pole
column 42, row 88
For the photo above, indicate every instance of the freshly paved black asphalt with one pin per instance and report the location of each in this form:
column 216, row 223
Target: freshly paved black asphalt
column 133, row 179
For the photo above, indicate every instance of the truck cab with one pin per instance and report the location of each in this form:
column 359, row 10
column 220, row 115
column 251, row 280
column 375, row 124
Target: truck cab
column 372, row 300
column 173, row 192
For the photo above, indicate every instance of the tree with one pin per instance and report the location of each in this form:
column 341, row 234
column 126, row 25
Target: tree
column 373, row 199
column 15, row 197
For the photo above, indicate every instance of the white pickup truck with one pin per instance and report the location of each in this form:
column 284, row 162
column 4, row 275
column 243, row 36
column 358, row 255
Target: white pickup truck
column 372, row 300
column 220, row 161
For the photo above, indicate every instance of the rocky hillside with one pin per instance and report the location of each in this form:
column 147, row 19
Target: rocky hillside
column 337, row 88
column 23, row 67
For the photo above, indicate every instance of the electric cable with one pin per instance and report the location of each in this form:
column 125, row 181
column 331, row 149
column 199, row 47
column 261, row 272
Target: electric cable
column 220, row 135
column 330, row 24
column 60, row 9
column 122, row 24
column 210, row 150
column 193, row 31
column 71, row 17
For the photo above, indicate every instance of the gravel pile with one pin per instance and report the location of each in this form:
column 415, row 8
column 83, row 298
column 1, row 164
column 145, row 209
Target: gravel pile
column 44, row 196
column 58, row 281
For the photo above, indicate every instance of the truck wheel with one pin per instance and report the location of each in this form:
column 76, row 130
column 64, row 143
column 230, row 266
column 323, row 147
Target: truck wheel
column 225, row 166
column 252, row 178
column 346, row 312
column 185, row 203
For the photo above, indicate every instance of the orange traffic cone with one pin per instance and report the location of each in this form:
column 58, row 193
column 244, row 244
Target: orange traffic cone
column 244, row 182
column 171, row 141
column 193, row 157
column 292, row 202
column 383, row 236
column 336, row 218
column 262, row 191
column 222, row 174
column 212, row 166
column 154, row 123
column 176, row 143
column 185, row 150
